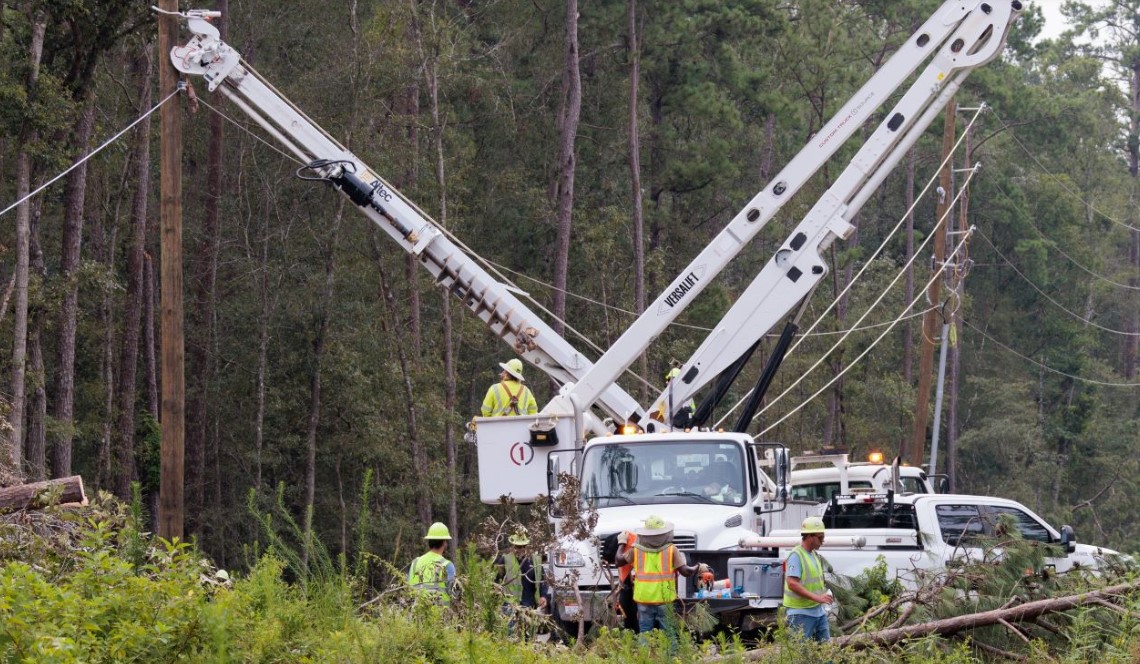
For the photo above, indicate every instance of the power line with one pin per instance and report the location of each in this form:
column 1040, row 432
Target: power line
column 937, row 275
column 1061, row 183
column 1045, row 366
column 89, row 155
column 1072, row 260
column 1050, row 298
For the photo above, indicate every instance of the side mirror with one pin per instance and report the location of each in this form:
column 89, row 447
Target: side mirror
column 1068, row 539
column 552, row 473
column 783, row 473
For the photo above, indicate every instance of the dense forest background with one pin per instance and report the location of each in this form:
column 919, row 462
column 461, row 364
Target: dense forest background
column 323, row 363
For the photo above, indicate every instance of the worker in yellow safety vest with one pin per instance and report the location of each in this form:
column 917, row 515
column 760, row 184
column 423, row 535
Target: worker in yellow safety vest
column 805, row 594
column 682, row 412
column 431, row 573
column 521, row 574
column 509, row 396
column 656, row 564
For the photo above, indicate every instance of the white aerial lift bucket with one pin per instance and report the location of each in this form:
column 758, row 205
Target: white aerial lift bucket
column 514, row 463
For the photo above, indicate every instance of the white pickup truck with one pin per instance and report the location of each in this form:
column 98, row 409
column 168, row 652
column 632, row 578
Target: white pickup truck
column 925, row 531
column 817, row 477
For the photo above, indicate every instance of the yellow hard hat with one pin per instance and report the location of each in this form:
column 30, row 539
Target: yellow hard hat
column 438, row 531
column 513, row 367
column 812, row 525
column 519, row 538
column 672, row 373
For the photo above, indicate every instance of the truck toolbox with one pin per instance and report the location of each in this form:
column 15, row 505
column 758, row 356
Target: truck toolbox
column 762, row 577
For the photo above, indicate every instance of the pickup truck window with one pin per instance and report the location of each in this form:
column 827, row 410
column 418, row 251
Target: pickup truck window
column 960, row 524
column 869, row 515
column 821, row 492
column 1030, row 528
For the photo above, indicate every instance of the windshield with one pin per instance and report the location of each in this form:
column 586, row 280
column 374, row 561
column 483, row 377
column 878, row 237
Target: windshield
column 659, row 472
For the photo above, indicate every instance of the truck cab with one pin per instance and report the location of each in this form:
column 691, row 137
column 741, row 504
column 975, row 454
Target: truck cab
column 712, row 486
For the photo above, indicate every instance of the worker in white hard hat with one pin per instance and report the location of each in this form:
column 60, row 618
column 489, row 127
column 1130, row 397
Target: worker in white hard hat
column 509, row 396
column 805, row 595
column 431, row 573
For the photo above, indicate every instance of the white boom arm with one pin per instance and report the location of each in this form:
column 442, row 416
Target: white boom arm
column 961, row 35
column 970, row 34
column 221, row 66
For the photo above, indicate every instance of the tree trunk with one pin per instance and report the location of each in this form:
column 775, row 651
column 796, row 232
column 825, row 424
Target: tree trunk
column 150, row 339
column 447, row 342
column 323, row 316
column 23, row 240
column 200, row 358
column 415, row 445
column 567, row 162
column 1133, row 317
column 262, row 352
column 70, row 252
column 126, row 472
column 635, row 185
column 35, row 439
column 1014, row 615
column 908, row 329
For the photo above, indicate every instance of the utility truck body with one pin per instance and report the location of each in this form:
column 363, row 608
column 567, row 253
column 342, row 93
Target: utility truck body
column 923, row 532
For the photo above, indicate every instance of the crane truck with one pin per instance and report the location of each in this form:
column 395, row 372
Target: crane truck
column 627, row 477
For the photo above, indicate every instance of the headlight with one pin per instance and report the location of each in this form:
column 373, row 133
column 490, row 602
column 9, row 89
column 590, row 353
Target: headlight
column 568, row 558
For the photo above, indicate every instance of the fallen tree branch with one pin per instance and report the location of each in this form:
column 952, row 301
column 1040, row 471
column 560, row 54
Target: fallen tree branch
column 948, row 626
column 994, row 650
column 1109, row 605
column 1021, row 635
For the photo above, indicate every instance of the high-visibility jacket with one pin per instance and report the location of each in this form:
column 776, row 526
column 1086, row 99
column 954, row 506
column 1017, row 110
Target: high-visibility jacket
column 625, row 570
column 428, row 573
column 509, row 397
column 513, row 577
column 654, row 576
column 811, row 577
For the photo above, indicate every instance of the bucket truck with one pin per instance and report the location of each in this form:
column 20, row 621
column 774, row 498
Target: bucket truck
column 655, row 471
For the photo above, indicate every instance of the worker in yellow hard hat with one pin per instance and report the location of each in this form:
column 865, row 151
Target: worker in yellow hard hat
column 509, row 396
column 805, row 595
column 682, row 413
column 431, row 573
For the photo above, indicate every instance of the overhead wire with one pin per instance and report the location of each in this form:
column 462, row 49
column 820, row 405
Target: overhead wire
column 1041, row 364
column 1058, row 249
column 1058, row 180
column 882, row 246
column 1050, row 297
column 243, row 127
column 91, row 154
column 937, row 275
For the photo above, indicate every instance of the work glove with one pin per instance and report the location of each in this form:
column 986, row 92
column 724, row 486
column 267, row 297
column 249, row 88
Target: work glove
column 625, row 537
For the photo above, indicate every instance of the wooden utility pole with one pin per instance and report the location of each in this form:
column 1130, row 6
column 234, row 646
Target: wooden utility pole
column 915, row 452
column 170, row 510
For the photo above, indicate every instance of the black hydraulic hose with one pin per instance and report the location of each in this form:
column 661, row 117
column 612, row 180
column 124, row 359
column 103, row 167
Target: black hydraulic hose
column 766, row 376
column 723, row 382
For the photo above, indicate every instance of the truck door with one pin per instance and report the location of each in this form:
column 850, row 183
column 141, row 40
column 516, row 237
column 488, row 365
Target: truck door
column 960, row 527
column 1032, row 529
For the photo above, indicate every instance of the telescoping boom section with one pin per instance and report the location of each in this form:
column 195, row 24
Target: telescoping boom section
column 324, row 158
column 958, row 37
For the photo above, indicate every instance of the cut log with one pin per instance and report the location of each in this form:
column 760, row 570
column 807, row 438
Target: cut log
column 1030, row 611
column 1016, row 614
column 38, row 495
